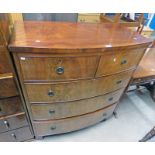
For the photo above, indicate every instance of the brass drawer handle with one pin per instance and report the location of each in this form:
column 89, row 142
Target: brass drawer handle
column 7, row 124
column 123, row 62
column 60, row 70
column 14, row 136
column 52, row 111
column 53, row 127
column 110, row 99
column 118, row 82
column 50, row 93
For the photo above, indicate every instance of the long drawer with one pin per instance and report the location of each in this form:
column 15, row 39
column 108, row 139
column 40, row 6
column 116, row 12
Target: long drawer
column 45, row 67
column 43, row 128
column 10, row 106
column 76, row 90
column 114, row 62
column 7, row 86
column 19, row 135
column 48, row 111
column 13, row 122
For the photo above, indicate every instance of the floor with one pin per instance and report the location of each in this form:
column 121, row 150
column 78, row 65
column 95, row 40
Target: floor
column 136, row 116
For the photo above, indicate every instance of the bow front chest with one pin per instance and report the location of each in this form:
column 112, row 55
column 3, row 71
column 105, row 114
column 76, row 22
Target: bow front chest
column 73, row 74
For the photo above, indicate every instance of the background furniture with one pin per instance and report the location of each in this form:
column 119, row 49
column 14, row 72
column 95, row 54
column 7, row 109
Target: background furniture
column 14, row 124
column 68, row 17
column 124, row 20
column 145, row 72
column 145, row 76
column 89, row 17
column 72, row 74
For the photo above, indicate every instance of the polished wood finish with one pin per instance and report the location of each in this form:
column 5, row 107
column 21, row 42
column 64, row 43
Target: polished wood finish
column 71, row 124
column 76, row 90
column 13, row 122
column 18, row 135
column 45, row 68
column 73, row 73
column 10, row 106
column 8, row 87
column 55, row 37
column 42, row 111
column 118, row 61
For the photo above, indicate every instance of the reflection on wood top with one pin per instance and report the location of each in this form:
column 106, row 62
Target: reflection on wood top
column 65, row 35
column 146, row 66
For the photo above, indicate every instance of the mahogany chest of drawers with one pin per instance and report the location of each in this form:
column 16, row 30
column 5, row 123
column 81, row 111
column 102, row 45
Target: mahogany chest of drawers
column 73, row 74
column 14, row 125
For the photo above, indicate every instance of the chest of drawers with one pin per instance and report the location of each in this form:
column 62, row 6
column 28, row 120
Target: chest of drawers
column 14, row 124
column 72, row 74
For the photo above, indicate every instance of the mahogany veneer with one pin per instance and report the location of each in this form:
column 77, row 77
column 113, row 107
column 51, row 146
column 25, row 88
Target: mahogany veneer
column 73, row 74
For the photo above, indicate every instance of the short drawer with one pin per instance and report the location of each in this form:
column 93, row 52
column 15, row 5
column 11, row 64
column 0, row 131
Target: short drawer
column 114, row 62
column 42, row 111
column 10, row 106
column 19, row 135
column 43, row 128
column 76, row 90
column 7, row 86
column 13, row 122
column 57, row 69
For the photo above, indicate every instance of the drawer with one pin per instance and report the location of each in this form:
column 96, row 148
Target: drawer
column 10, row 106
column 4, row 61
column 68, row 109
column 76, row 90
column 13, row 122
column 18, row 135
column 7, row 86
column 71, row 124
column 114, row 62
column 56, row 69
column 89, row 18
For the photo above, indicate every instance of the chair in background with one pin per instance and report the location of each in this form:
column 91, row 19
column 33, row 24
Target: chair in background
column 125, row 20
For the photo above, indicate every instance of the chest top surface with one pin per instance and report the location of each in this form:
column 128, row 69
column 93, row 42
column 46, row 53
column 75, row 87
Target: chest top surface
column 65, row 35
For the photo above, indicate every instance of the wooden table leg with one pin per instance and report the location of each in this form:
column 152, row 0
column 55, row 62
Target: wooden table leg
column 149, row 135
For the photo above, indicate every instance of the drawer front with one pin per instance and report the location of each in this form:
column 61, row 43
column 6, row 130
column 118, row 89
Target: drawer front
column 4, row 62
column 114, row 62
column 18, row 135
column 56, row 69
column 89, row 18
column 71, row 124
column 69, row 91
column 10, row 123
column 8, row 87
column 10, row 106
column 69, row 109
